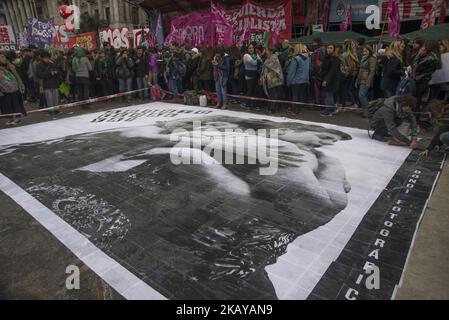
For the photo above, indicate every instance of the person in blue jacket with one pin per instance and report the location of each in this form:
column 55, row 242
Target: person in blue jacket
column 298, row 71
column 221, row 64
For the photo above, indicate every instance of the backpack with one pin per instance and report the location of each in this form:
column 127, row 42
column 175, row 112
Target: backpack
column 373, row 106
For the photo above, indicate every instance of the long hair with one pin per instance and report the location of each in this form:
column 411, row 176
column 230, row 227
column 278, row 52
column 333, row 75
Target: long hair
column 350, row 48
column 395, row 51
column 445, row 45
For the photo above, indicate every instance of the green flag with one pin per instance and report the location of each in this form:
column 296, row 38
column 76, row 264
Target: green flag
column 266, row 38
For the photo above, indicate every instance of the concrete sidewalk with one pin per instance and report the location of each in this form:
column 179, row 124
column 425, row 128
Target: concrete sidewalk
column 427, row 274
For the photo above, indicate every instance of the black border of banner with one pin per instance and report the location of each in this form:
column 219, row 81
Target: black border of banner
column 384, row 237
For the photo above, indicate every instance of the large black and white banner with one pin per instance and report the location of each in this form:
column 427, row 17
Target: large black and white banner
column 139, row 196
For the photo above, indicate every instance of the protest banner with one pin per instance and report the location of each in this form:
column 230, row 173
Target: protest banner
column 40, row 33
column 274, row 17
column 194, row 29
column 85, row 40
column 7, row 39
column 118, row 37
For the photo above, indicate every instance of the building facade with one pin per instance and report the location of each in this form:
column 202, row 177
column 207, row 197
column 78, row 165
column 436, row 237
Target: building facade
column 112, row 13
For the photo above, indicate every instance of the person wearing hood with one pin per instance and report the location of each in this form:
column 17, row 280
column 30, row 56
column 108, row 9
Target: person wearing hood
column 298, row 70
column 221, row 64
column 272, row 78
column 81, row 67
column 389, row 117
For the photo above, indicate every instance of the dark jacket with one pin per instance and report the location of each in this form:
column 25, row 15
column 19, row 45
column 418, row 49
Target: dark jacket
column 176, row 69
column 141, row 66
column 330, row 72
column 391, row 116
column 205, row 69
column 104, row 69
column 424, row 67
column 391, row 74
column 50, row 81
column 124, row 69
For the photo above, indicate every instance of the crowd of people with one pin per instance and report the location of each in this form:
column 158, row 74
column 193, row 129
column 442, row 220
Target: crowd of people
column 328, row 76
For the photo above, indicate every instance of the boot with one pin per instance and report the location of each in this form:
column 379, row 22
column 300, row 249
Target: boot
column 225, row 106
column 217, row 106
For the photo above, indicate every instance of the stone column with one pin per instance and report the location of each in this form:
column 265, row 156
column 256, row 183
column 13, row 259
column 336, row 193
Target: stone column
column 7, row 14
column 101, row 10
column 117, row 21
column 16, row 15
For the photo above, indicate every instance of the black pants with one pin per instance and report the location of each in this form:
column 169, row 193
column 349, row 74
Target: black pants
column 276, row 93
column 422, row 89
column 251, row 91
column 82, row 88
column 299, row 94
column 106, row 87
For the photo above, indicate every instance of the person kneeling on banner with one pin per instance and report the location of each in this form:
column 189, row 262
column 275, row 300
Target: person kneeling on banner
column 390, row 115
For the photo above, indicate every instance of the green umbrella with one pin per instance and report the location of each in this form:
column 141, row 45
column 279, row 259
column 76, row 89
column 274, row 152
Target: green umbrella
column 437, row 32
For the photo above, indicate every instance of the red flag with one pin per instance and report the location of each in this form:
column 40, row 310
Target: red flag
column 348, row 20
column 275, row 36
column 443, row 11
column 429, row 19
column 325, row 15
column 394, row 26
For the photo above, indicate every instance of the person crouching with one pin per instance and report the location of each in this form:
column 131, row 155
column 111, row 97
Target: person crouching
column 390, row 116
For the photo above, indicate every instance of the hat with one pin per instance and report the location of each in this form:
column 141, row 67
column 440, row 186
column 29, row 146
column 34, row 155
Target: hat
column 195, row 50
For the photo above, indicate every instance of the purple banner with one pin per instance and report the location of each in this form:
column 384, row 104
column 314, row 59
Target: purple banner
column 40, row 33
column 194, row 29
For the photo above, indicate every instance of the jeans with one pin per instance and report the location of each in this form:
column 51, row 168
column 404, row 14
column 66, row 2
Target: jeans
column 444, row 137
column 175, row 86
column 51, row 97
column 363, row 96
column 142, row 84
column 125, row 85
column 221, row 88
column 328, row 100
